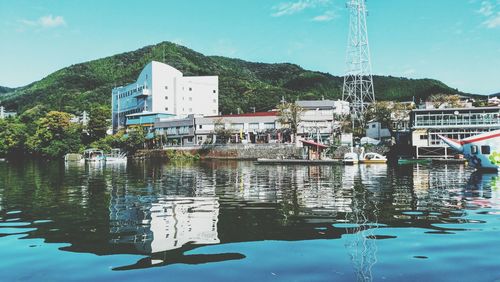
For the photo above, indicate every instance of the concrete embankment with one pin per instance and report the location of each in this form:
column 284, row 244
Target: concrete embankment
column 245, row 152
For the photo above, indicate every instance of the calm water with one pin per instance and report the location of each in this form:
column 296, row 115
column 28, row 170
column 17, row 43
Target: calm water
column 228, row 221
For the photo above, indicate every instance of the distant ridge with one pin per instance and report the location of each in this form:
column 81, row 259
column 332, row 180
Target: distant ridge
column 243, row 84
column 4, row 90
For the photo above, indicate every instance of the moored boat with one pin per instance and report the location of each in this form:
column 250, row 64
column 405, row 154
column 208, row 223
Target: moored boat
column 403, row 161
column 116, row 156
column 372, row 158
column 94, row 155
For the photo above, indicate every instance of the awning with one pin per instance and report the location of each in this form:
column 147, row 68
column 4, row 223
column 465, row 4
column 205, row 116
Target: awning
column 312, row 143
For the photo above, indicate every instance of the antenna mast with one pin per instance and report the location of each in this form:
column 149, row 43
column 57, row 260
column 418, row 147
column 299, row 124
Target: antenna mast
column 358, row 80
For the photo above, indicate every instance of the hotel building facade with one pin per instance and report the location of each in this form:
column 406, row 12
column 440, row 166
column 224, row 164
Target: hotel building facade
column 162, row 89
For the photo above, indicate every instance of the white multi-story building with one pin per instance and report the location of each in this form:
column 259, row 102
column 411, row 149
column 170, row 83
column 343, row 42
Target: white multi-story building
column 318, row 118
column 161, row 88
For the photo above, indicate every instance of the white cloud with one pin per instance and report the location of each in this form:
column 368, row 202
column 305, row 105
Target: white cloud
column 326, row 17
column 290, row 8
column 51, row 21
column 48, row 21
column 493, row 22
column 486, row 9
column 490, row 10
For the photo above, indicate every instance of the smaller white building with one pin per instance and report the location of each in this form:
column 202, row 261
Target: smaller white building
column 376, row 130
column 4, row 114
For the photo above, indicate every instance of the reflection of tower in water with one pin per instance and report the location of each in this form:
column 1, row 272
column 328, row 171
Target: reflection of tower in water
column 362, row 218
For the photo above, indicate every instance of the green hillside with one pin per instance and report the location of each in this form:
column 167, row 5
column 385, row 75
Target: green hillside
column 241, row 84
column 4, row 90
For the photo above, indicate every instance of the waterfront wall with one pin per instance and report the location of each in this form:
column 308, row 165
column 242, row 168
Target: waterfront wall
column 249, row 151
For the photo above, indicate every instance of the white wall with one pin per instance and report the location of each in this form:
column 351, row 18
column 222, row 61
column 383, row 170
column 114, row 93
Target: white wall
column 198, row 95
column 374, row 130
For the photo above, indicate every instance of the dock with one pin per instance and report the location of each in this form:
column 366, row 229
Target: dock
column 298, row 161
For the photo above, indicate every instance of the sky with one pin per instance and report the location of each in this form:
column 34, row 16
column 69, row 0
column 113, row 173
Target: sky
column 455, row 41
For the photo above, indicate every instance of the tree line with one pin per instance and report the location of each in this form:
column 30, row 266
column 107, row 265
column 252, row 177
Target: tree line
column 42, row 133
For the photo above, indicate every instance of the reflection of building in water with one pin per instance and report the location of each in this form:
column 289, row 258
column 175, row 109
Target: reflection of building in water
column 175, row 222
column 155, row 224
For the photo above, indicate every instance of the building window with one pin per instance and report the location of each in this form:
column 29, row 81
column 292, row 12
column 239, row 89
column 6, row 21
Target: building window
column 374, row 125
column 473, row 149
column 424, row 137
column 166, row 109
column 166, row 97
column 190, row 98
column 166, row 87
column 190, row 89
column 215, row 91
column 485, row 150
column 200, row 127
column 215, row 100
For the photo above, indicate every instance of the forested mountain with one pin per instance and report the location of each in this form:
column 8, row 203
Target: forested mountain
column 4, row 90
column 241, row 84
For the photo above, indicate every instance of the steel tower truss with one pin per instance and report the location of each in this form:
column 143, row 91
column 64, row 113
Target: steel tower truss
column 358, row 80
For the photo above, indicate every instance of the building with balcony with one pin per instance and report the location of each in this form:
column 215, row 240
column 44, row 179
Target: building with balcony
column 318, row 118
column 260, row 127
column 456, row 123
column 177, row 131
column 161, row 88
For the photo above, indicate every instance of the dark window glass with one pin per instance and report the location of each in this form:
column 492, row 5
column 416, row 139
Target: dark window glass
column 485, row 150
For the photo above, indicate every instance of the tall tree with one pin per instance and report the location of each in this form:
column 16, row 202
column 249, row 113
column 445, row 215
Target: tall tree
column 98, row 123
column 290, row 115
column 55, row 135
column 12, row 136
column 447, row 101
column 135, row 139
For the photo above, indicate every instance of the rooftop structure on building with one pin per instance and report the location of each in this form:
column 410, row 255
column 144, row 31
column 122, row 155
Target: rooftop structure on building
column 455, row 123
column 163, row 89
column 339, row 107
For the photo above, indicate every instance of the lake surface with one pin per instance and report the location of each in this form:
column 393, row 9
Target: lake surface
column 237, row 221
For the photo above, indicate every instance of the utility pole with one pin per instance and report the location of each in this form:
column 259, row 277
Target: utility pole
column 358, row 80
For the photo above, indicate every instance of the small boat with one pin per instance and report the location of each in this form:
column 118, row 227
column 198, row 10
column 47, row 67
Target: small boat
column 350, row 158
column 482, row 151
column 116, row 156
column 372, row 158
column 94, row 155
column 413, row 161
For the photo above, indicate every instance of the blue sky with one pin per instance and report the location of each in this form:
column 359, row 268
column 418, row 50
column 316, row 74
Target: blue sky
column 456, row 41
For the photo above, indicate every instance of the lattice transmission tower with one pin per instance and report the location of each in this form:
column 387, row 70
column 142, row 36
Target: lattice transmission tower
column 358, row 80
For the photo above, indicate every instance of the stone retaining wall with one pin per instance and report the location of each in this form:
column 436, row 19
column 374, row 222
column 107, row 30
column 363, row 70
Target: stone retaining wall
column 252, row 151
